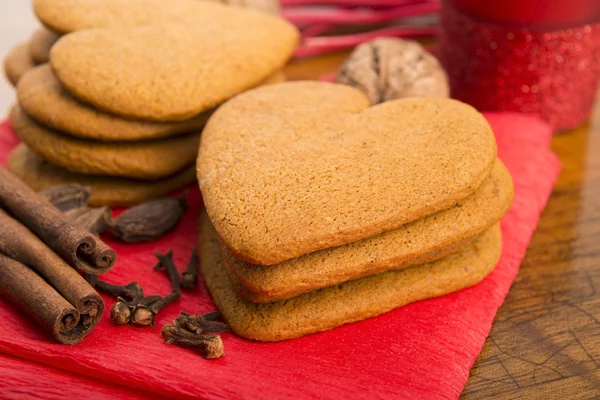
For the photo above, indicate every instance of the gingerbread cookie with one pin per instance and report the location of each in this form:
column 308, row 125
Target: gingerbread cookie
column 43, row 98
column 106, row 191
column 352, row 301
column 72, row 15
column 40, row 44
column 425, row 240
column 17, row 62
column 66, row 16
column 268, row 6
column 130, row 77
column 289, row 169
column 141, row 160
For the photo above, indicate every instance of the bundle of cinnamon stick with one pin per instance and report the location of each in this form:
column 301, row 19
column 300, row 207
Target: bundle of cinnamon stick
column 40, row 253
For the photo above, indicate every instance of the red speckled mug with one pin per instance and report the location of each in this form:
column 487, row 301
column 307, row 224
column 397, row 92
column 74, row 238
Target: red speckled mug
column 534, row 56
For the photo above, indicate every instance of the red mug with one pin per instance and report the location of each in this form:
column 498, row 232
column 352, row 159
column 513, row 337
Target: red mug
column 534, row 56
column 533, row 13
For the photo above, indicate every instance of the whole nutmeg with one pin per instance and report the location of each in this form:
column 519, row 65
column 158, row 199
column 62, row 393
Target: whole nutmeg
column 267, row 6
column 388, row 68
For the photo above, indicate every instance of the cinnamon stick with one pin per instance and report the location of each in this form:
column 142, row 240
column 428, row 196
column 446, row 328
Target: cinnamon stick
column 19, row 243
column 73, row 243
column 26, row 288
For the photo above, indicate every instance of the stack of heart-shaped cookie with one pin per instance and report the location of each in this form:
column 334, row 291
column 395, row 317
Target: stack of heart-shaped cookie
column 129, row 87
column 321, row 210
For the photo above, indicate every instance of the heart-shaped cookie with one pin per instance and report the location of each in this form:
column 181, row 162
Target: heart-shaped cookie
column 66, row 16
column 147, row 160
column 17, row 62
column 41, row 42
column 106, row 190
column 175, row 68
column 43, row 98
column 418, row 242
column 289, row 169
column 349, row 302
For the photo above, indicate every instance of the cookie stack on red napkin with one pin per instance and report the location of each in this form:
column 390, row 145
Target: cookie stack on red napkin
column 328, row 211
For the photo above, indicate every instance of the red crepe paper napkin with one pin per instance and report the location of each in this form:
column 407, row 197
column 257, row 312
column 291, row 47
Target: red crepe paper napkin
column 22, row 379
column 423, row 350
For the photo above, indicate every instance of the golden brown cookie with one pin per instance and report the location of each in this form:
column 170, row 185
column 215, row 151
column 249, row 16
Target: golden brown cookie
column 141, row 160
column 425, row 240
column 106, row 191
column 131, row 78
column 17, row 62
column 349, row 302
column 268, row 6
column 72, row 15
column 289, row 169
column 40, row 44
column 43, row 98
column 66, row 16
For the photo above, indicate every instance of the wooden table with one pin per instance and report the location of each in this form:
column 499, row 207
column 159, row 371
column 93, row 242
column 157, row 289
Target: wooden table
column 545, row 341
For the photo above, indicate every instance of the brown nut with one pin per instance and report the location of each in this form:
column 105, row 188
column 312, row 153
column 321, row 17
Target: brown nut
column 389, row 68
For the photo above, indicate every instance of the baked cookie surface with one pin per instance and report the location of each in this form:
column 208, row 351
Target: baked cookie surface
column 130, row 77
column 40, row 44
column 17, row 62
column 352, row 301
column 141, row 160
column 106, row 191
column 289, row 169
column 43, row 98
column 418, row 242
column 66, row 16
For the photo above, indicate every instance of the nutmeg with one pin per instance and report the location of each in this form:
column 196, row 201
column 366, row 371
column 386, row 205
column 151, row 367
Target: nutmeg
column 389, row 68
column 267, row 6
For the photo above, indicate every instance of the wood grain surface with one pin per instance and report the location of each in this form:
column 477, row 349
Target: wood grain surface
column 545, row 341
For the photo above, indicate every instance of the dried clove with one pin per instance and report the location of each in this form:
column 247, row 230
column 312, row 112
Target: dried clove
column 124, row 312
column 68, row 196
column 184, row 323
column 150, row 220
column 120, row 313
column 166, row 261
column 212, row 316
column 189, row 277
column 144, row 302
column 95, row 220
column 390, row 68
column 145, row 314
column 199, row 323
column 130, row 292
column 211, row 345
column 162, row 303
